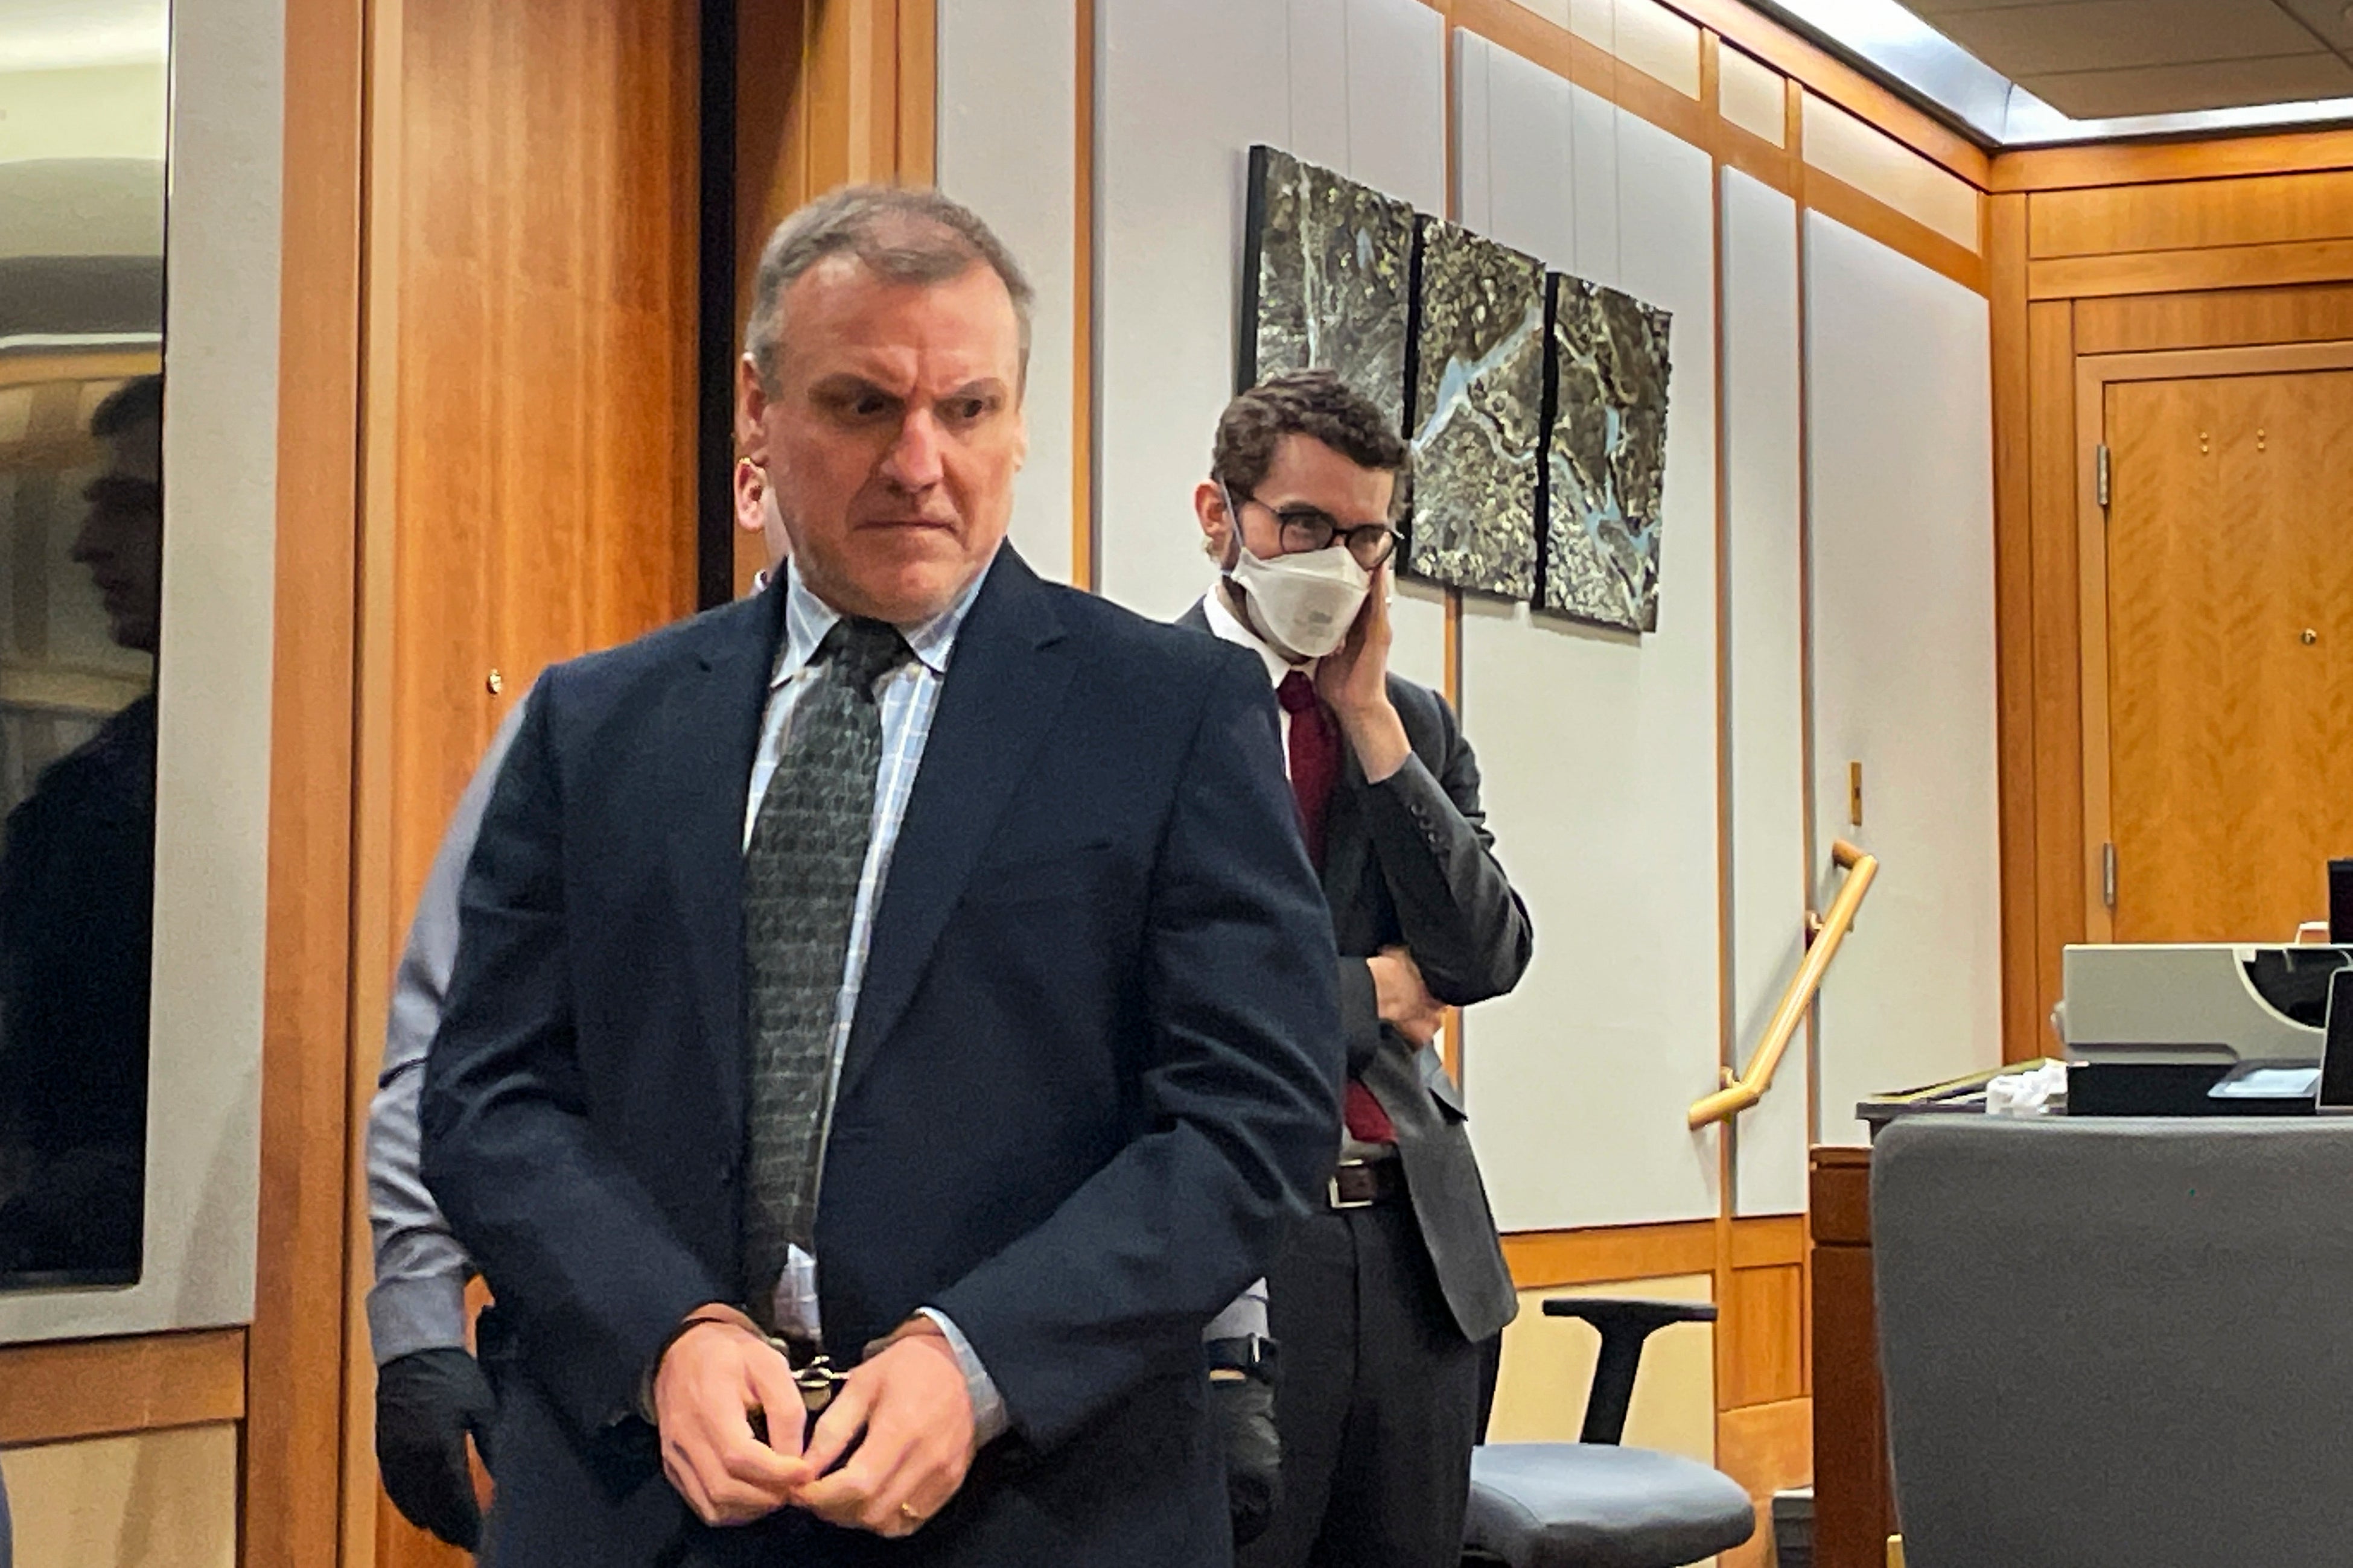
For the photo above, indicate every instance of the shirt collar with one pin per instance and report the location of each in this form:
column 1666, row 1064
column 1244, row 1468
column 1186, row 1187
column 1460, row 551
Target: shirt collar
column 808, row 618
column 1219, row 610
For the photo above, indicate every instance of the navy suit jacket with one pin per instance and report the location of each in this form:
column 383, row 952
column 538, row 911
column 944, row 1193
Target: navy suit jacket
column 1093, row 1072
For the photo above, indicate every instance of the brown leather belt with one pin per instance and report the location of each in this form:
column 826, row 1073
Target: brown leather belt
column 1361, row 1184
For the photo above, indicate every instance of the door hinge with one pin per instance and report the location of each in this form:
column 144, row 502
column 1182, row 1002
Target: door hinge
column 2108, row 875
column 2100, row 474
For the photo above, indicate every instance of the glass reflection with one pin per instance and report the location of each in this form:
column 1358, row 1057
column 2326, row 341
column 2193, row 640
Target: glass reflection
column 82, row 116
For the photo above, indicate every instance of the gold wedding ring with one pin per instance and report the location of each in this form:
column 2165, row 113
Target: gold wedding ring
column 907, row 1512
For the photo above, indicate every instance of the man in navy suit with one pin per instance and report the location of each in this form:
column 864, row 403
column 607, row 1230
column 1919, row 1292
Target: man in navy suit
column 915, row 966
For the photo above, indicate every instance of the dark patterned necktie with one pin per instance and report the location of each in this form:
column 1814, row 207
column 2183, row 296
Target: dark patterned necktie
column 800, row 892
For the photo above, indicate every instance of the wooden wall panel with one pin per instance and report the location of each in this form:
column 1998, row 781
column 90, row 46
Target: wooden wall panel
column 2126, row 249
column 2318, row 313
column 2173, row 272
column 2014, row 627
column 1543, row 1258
column 2193, row 214
column 917, row 89
column 293, row 1439
column 828, row 93
column 544, row 401
column 2141, row 163
column 1765, row 1449
column 1763, row 1319
column 2059, row 912
column 99, row 1389
column 1853, row 1514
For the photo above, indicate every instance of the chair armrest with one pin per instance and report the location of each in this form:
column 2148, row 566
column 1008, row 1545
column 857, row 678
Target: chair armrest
column 1625, row 1324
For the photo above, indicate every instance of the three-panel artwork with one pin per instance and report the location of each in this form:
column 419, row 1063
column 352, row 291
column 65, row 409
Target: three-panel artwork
column 1535, row 403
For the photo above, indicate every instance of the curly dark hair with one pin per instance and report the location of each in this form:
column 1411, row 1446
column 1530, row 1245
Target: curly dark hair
column 1313, row 402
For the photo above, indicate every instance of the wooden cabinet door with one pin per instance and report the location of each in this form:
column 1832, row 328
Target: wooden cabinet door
column 2230, row 651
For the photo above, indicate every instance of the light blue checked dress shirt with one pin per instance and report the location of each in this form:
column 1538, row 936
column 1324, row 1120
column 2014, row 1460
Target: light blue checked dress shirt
column 908, row 696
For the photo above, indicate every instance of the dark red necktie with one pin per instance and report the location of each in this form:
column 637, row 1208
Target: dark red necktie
column 1315, row 772
column 1314, row 758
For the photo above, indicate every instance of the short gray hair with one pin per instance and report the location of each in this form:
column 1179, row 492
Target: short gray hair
column 901, row 234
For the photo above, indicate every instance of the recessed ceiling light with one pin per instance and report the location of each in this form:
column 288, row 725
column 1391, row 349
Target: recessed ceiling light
column 1893, row 43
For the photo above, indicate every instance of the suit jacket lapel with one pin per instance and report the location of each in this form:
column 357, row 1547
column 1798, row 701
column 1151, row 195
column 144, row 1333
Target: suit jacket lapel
column 1004, row 692
column 714, row 724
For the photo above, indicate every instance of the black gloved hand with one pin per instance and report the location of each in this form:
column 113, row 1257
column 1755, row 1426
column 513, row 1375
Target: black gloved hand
column 1241, row 1401
column 426, row 1404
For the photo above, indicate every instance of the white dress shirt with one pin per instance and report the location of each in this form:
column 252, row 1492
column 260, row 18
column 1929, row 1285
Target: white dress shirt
column 1219, row 608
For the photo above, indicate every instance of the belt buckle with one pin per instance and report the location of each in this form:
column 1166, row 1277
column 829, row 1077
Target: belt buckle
column 1332, row 1187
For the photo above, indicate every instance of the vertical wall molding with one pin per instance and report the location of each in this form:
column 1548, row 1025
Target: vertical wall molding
column 295, row 1431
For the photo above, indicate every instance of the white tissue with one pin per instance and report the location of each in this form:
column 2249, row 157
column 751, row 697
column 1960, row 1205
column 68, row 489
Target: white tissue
column 2027, row 1093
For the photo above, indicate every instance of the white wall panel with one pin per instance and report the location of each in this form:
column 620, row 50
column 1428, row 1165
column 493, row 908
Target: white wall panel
column 1186, row 90
column 1395, row 84
column 1765, row 698
column 1474, row 185
column 1598, row 748
column 1594, row 148
column 1007, row 116
column 1318, row 39
column 1530, row 199
column 1397, row 100
column 1900, row 425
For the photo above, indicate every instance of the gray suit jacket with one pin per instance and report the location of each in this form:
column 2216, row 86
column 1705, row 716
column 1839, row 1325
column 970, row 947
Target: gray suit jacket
column 1409, row 861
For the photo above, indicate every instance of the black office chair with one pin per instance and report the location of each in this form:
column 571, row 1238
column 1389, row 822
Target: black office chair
column 1592, row 1503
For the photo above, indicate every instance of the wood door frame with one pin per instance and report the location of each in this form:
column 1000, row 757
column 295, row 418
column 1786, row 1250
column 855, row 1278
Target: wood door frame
column 2093, row 375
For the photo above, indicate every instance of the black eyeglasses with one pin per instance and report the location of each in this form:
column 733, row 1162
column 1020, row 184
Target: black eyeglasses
column 1307, row 528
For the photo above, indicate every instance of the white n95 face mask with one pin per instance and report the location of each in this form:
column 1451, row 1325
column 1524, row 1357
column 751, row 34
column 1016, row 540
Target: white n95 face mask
column 1306, row 602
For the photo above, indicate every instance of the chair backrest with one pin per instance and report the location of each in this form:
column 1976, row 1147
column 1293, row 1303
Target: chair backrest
column 2117, row 1344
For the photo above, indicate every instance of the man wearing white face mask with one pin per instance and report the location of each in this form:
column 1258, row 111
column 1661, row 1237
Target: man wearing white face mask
column 1383, row 1301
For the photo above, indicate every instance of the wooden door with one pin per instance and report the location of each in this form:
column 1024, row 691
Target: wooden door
column 529, row 422
column 2230, row 622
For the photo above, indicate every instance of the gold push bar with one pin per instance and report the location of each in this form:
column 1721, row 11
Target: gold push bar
column 1740, row 1094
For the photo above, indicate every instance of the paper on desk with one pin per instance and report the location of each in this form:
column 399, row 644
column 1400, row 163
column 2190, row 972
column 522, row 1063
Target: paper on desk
column 2028, row 1093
